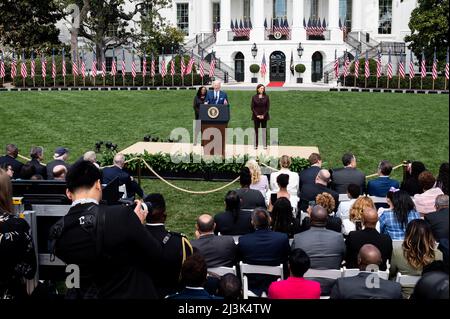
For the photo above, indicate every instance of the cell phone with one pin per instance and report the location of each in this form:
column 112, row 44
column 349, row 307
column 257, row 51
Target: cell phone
column 312, row 203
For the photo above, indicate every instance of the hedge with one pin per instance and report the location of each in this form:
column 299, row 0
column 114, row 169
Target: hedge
column 439, row 84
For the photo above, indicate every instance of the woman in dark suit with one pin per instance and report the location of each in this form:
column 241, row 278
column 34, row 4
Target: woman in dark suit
column 199, row 99
column 260, row 113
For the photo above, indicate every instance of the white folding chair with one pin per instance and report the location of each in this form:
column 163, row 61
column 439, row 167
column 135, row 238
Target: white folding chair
column 378, row 200
column 397, row 243
column 221, row 271
column 407, row 280
column 257, row 269
column 324, row 273
column 236, row 239
column 123, row 189
column 343, row 198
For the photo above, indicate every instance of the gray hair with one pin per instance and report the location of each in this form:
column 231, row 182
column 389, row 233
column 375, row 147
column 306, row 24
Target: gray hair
column 441, row 201
column 119, row 159
column 90, row 156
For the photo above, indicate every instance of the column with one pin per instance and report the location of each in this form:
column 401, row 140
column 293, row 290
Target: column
column 298, row 13
column 257, row 34
column 206, row 16
column 333, row 21
column 225, row 20
column 357, row 15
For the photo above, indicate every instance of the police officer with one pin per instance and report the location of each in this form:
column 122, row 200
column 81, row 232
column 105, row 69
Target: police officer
column 176, row 248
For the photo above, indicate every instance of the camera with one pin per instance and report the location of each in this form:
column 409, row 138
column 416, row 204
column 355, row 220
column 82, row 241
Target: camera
column 144, row 205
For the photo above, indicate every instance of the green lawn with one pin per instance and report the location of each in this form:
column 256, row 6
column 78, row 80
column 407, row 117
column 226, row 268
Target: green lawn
column 373, row 126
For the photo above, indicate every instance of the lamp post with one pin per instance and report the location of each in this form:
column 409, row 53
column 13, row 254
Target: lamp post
column 254, row 50
column 300, row 50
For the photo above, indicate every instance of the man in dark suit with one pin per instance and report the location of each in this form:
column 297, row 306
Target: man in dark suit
column 10, row 159
column 193, row 273
column 368, row 235
column 263, row 247
column 218, row 251
column 309, row 192
column 59, row 158
column 349, row 174
column 439, row 219
column 37, row 156
column 216, row 96
column 366, row 285
column 116, row 255
column 176, row 248
column 380, row 186
column 110, row 173
column 308, row 176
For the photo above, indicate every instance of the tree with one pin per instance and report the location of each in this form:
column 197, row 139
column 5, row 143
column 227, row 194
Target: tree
column 429, row 29
column 29, row 23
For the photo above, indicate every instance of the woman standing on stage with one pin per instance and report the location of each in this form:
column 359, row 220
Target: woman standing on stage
column 199, row 99
column 260, row 113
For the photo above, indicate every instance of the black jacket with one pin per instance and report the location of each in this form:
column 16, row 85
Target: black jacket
column 225, row 224
column 342, row 177
column 40, row 169
column 131, row 254
column 309, row 193
column 308, row 176
column 439, row 223
column 359, row 238
column 15, row 164
column 52, row 165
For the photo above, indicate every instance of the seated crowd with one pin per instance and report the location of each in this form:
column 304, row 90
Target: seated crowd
column 317, row 220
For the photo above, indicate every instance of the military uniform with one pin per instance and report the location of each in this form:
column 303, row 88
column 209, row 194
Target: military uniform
column 176, row 248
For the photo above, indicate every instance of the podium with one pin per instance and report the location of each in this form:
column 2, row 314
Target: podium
column 214, row 122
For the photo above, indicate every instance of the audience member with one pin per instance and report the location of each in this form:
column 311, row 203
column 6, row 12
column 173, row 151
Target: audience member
column 293, row 186
column 296, row 287
column 425, row 202
column 356, row 215
column 37, row 156
column 234, row 221
column 410, row 182
column 11, row 159
column 59, row 173
column 263, row 247
column 283, row 182
column 176, row 247
column 310, row 191
column 432, row 286
column 117, row 171
column 393, row 222
column 308, row 176
column 366, row 285
column 418, row 250
column 122, row 264
column 381, row 185
column 218, row 251
column 8, row 169
column 367, row 235
column 91, row 157
column 230, row 287
column 353, row 192
column 250, row 198
column 17, row 254
column 193, row 276
column 326, row 201
column 438, row 220
column 349, row 174
column 442, row 179
column 59, row 158
column 27, row 171
column 283, row 220
column 37, row 177
column 259, row 181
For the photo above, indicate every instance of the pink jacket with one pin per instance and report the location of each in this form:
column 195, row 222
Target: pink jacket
column 294, row 288
column 425, row 202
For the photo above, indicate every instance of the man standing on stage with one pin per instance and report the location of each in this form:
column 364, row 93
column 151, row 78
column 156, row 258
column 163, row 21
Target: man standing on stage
column 217, row 97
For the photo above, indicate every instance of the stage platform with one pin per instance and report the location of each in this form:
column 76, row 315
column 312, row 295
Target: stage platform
column 230, row 150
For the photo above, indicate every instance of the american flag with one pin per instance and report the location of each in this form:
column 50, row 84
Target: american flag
column 212, row 66
column 104, row 68
column 74, row 64
column 163, row 70
column 336, row 64
column 434, row 70
column 412, row 71
column 172, row 66
column 182, row 65
column 423, row 66
column 2, row 66
column 153, row 67
column 379, row 66
column 263, row 66
column 367, row 66
column 133, row 67
column 447, row 66
column 53, row 65
column 389, row 67
column 23, row 66
column 144, row 65
column 346, row 64
column 83, row 65
column 401, row 67
column 64, row 71
column 114, row 64
column 190, row 64
column 44, row 66
column 202, row 67
column 357, row 64
column 13, row 66
column 124, row 70
column 94, row 64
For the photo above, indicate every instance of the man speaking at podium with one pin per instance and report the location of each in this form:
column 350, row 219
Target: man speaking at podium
column 216, row 97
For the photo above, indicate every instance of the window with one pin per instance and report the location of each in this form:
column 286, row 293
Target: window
column 216, row 15
column 279, row 9
column 385, row 17
column 246, row 8
column 345, row 12
column 109, row 63
column 183, row 17
column 314, row 9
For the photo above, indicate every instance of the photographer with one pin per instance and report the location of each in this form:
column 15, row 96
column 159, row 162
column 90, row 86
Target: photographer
column 114, row 252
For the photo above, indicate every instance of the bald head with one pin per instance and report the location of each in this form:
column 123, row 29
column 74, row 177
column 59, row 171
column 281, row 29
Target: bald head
column 370, row 217
column 323, row 177
column 369, row 255
column 205, row 224
column 319, row 216
column 119, row 160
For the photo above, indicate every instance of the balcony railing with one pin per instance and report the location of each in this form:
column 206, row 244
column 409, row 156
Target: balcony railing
column 238, row 36
column 319, row 36
column 277, row 34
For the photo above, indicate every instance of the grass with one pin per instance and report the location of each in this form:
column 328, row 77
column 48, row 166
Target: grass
column 373, row 126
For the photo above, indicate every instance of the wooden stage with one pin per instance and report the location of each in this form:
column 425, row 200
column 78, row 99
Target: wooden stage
column 230, row 150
